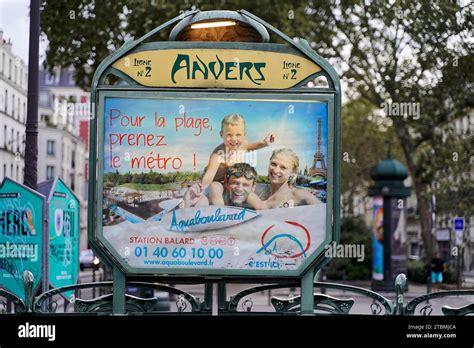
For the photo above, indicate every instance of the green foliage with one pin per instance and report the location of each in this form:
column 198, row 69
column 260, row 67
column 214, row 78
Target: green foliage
column 364, row 143
column 148, row 186
column 449, row 277
column 262, row 179
column 353, row 231
column 407, row 52
column 386, row 52
column 81, row 33
column 151, row 178
column 416, row 271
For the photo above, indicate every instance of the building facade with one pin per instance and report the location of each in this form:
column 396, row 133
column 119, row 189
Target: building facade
column 63, row 152
column 13, row 97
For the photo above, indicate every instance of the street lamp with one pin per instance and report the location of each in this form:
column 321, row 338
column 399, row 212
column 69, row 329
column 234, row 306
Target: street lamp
column 228, row 26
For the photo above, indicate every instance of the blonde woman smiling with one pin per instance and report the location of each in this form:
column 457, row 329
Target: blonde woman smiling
column 282, row 193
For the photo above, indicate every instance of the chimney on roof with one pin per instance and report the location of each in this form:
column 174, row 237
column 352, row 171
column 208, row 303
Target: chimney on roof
column 8, row 45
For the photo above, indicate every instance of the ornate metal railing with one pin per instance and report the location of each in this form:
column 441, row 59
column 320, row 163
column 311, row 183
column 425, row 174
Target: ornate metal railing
column 240, row 303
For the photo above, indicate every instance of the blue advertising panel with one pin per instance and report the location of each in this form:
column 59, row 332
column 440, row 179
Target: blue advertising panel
column 22, row 236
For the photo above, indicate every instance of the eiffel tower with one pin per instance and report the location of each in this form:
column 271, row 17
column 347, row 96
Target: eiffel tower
column 318, row 158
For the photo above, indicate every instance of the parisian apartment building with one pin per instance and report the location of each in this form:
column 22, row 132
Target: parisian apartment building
column 63, row 135
column 13, row 96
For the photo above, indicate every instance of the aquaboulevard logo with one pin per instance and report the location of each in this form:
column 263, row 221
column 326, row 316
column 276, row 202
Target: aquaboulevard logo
column 218, row 216
column 192, row 67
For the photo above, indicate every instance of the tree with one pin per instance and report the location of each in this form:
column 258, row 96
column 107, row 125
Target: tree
column 393, row 54
column 81, row 33
column 363, row 145
column 390, row 53
column 353, row 232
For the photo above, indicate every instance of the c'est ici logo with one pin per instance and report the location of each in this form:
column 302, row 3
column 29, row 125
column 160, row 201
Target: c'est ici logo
column 284, row 244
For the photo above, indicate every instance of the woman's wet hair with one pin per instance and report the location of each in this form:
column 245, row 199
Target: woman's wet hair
column 295, row 161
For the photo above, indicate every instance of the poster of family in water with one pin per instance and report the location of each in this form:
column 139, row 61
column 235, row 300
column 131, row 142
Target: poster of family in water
column 208, row 183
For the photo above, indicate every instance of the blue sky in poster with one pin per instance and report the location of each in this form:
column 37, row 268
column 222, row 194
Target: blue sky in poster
column 294, row 124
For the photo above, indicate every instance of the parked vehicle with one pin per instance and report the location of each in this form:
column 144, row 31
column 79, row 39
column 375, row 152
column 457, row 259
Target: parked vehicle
column 87, row 259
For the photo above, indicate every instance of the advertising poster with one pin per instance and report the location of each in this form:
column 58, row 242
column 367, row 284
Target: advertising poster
column 209, row 183
column 63, row 234
column 21, row 236
column 377, row 240
column 399, row 239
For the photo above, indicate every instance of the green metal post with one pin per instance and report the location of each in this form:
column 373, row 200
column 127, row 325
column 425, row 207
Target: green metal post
column 221, row 297
column 307, row 293
column 118, row 303
column 208, row 293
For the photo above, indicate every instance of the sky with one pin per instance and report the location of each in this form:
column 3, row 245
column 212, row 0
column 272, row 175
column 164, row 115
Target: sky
column 15, row 23
column 294, row 125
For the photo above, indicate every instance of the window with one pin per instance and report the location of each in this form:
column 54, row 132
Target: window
column 73, row 159
column 72, row 80
column 49, row 172
column 49, row 79
column 72, row 182
column 18, row 110
column 10, row 70
column 24, row 112
column 50, row 147
column 13, row 105
column 11, row 170
column 17, row 173
column 17, row 142
column 5, row 131
column 6, row 101
column 12, row 141
column 44, row 98
column 4, row 170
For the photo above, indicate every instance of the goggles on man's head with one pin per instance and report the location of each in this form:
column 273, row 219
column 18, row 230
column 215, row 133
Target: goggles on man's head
column 239, row 174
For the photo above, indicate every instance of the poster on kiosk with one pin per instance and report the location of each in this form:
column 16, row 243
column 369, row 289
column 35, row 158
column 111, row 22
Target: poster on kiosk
column 22, row 237
column 63, row 212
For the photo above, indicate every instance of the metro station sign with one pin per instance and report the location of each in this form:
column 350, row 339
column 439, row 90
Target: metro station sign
column 216, row 68
column 214, row 159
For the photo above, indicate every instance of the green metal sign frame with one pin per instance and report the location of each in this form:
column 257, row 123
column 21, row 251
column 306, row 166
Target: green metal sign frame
column 131, row 89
